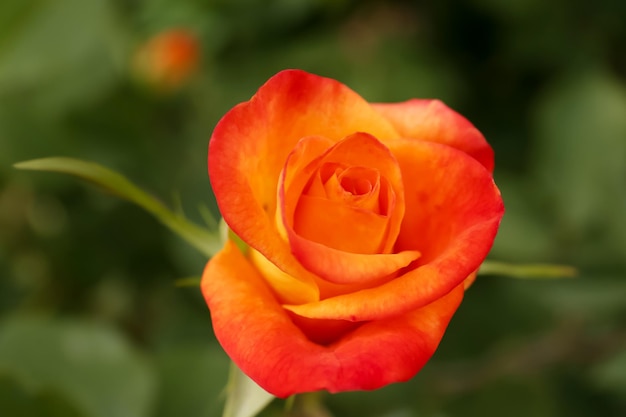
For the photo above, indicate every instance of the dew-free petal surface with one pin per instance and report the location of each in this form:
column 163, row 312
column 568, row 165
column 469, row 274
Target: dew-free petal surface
column 250, row 144
column 433, row 121
column 264, row 342
column 453, row 210
column 332, row 264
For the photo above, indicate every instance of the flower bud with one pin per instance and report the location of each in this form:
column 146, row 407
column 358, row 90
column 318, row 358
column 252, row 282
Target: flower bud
column 167, row 60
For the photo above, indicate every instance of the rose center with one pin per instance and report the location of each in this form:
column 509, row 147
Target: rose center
column 355, row 186
column 345, row 207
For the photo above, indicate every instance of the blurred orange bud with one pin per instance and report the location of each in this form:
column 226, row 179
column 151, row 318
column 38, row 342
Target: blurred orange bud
column 167, row 60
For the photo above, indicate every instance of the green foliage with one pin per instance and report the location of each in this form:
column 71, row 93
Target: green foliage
column 544, row 81
column 582, row 140
column 65, row 52
column 22, row 402
column 203, row 240
column 193, row 379
column 93, row 366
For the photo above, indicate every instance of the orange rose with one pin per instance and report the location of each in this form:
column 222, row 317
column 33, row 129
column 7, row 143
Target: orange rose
column 168, row 59
column 363, row 222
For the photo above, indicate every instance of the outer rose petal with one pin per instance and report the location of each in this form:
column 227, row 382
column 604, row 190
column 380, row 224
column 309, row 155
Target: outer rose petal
column 453, row 227
column 251, row 142
column 433, row 121
column 259, row 336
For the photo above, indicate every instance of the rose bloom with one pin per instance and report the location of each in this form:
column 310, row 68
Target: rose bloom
column 364, row 223
column 168, row 59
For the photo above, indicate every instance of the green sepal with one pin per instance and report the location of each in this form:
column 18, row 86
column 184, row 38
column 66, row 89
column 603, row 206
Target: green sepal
column 244, row 398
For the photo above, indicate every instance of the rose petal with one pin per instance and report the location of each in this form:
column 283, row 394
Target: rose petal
column 251, row 142
column 331, row 264
column 353, row 186
column 469, row 281
column 433, row 121
column 341, row 201
column 287, row 289
column 264, row 342
column 453, row 212
column 329, row 222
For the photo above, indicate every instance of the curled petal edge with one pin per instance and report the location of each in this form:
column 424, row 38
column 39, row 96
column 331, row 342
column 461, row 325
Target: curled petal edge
column 257, row 333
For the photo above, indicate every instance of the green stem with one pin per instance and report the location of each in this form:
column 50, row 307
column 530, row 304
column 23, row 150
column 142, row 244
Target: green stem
column 306, row 405
column 527, row 270
column 200, row 238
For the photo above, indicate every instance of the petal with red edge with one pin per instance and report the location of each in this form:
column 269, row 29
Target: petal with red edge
column 453, row 210
column 264, row 342
column 251, row 142
column 433, row 121
column 393, row 350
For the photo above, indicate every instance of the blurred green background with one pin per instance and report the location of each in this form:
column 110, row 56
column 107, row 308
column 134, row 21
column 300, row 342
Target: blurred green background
column 91, row 322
